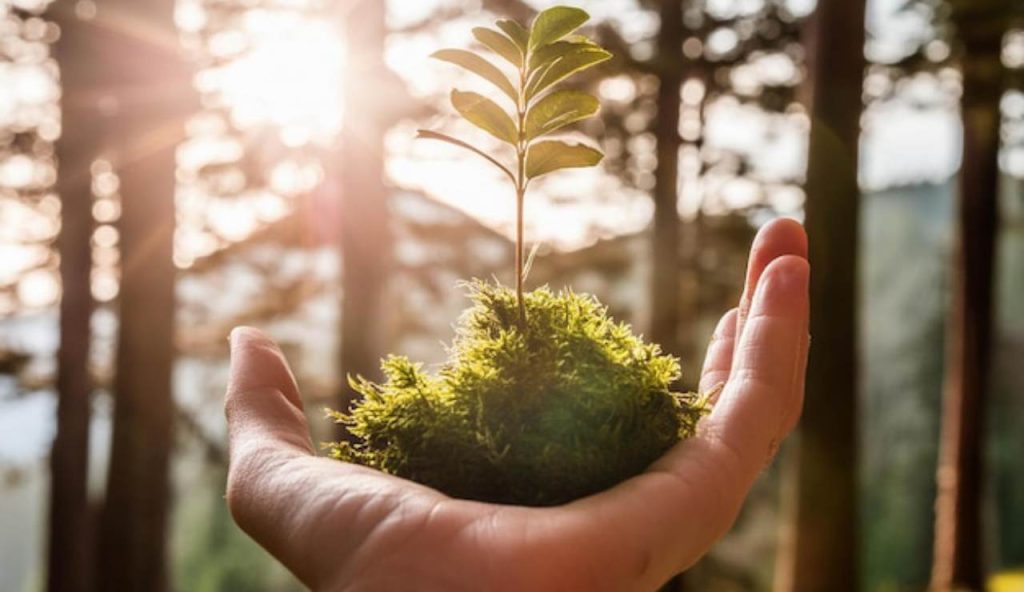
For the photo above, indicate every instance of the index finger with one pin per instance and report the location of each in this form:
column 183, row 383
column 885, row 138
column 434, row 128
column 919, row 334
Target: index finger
column 770, row 356
column 780, row 237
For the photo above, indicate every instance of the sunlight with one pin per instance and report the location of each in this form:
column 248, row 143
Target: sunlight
column 290, row 76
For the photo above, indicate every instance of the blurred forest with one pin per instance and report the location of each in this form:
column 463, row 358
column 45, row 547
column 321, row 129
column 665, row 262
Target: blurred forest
column 170, row 169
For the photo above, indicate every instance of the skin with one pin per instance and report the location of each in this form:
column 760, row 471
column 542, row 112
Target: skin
column 341, row 527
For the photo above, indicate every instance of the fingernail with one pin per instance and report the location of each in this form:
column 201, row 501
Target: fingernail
column 785, row 285
column 236, row 336
column 792, row 276
column 796, row 276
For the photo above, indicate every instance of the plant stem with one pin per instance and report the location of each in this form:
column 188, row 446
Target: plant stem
column 521, row 183
column 520, row 194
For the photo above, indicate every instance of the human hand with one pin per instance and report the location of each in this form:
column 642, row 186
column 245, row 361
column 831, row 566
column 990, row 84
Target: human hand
column 339, row 526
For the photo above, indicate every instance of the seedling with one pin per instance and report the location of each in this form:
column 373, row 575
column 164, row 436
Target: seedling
column 544, row 398
column 542, row 57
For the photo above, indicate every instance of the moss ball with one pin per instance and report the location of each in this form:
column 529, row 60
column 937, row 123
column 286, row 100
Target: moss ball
column 568, row 405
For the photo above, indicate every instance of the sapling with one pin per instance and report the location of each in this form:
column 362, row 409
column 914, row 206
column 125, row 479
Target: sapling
column 544, row 398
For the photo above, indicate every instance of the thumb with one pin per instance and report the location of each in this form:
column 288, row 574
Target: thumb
column 262, row 404
column 257, row 362
column 268, row 445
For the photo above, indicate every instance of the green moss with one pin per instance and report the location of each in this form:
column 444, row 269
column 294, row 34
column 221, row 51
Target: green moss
column 564, row 407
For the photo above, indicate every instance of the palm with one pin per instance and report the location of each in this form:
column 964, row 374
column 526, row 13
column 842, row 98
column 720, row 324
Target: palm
column 339, row 526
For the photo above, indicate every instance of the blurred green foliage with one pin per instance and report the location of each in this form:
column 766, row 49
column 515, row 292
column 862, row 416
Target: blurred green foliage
column 903, row 332
column 213, row 554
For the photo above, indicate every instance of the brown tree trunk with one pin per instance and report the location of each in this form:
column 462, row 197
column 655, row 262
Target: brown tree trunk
column 958, row 526
column 819, row 551
column 665, row 289
column 82, row 127
column 365, row 241
column 152, row 92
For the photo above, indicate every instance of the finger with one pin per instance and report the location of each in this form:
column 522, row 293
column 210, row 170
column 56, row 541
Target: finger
column 762, row 392
column 801, row 380
column 257, row 363
column 266, row 424
column 262, row 404
column 287, row 499
column 666, row 518
column 267, row 432
column 718, row 361
column 777, row 238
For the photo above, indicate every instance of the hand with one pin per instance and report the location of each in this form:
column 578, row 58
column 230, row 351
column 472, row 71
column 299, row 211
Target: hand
column 338, row 526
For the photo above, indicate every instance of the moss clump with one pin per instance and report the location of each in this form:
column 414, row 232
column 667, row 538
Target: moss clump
column 564, row 407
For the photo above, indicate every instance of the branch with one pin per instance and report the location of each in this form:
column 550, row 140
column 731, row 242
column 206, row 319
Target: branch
column 429, row 135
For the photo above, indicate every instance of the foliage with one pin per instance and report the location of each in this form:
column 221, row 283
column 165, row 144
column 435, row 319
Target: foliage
column 542, row 57
column 565, row 406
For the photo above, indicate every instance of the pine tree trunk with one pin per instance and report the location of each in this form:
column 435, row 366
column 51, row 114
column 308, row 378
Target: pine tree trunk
column 665, row 289
column 820, row 551
column 666, row 247
column 958, row 527
column 152, row 87
column 70, row 531
column 365, row 241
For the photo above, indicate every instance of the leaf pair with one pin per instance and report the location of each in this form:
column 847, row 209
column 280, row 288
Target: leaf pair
column 542, row 56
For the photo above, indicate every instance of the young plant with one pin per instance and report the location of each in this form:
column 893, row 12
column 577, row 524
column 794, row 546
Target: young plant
column 541, row 57
column 544, row 398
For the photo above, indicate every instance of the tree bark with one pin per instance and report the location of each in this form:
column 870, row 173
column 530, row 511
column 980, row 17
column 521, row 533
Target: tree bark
column 152, row 89
column 365, row 241
column 70, row 530
column 819, row 549
column 665, row 289
column 957, row 560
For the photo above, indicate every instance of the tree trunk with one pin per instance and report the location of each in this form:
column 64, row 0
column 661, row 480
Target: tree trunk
column 819, row 551
column 665, row 289
column 81, row 124
column 958, row 525
column 365, row 241
column 153, row 96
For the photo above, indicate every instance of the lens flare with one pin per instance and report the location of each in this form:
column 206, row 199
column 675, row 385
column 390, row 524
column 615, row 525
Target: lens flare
column 290, row 76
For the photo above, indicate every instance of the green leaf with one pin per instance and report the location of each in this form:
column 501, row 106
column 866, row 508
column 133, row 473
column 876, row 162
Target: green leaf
column 558, row 49
column 553, row 155
column 555, row 23
column 559, row 70
column 558, row 110
column 519, row 35
column 478, row 66
column 486, row 115
column 500, row 45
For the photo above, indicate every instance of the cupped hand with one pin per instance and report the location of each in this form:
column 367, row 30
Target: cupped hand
column 339, row 526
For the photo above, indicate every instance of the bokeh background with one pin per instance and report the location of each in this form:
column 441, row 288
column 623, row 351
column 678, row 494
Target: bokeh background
column 171, row 169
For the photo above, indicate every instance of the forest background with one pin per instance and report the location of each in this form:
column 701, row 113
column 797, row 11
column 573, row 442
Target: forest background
column 171, row 169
